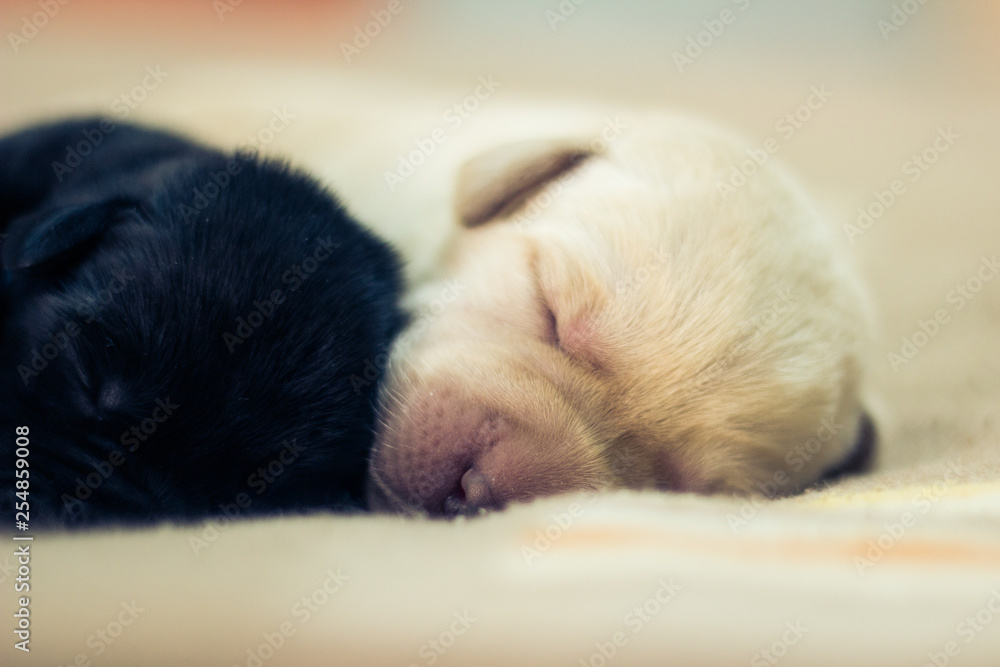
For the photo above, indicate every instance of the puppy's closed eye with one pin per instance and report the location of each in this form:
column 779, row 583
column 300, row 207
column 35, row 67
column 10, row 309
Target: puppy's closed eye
column 580, row 338
column 575, row 336
column 570, row 327
column 550, row 331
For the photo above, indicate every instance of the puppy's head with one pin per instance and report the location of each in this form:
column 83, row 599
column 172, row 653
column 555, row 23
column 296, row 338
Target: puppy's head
column 609, row 316
column 197, row 347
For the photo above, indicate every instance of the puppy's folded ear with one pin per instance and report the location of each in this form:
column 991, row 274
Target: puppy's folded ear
column 53, row 236
column 496, row 182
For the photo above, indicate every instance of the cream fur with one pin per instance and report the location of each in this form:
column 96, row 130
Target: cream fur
column 702, row 335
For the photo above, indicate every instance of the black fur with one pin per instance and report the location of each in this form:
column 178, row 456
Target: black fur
column 159, row 342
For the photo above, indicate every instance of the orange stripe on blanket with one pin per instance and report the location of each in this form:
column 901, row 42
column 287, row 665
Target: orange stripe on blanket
column 914, row 551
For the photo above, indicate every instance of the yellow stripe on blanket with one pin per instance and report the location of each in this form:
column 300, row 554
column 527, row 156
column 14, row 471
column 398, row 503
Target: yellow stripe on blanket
column 939, row 490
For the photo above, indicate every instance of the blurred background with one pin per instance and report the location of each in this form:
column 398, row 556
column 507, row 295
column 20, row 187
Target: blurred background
column 886, row 79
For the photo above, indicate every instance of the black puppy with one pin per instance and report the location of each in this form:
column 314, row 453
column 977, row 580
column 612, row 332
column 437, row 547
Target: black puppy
column 183, row 332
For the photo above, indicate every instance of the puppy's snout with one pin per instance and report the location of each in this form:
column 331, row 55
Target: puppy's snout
column 431, row 460
column 473, row 494
column 448, row 451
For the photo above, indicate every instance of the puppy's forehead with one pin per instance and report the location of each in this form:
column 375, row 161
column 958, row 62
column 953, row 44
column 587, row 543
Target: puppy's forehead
column 609, row 222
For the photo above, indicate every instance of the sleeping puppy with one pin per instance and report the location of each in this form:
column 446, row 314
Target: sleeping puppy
column 623, row 315
column 180, row 329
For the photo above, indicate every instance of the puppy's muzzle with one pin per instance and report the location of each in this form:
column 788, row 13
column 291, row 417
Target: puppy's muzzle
column 431, row 457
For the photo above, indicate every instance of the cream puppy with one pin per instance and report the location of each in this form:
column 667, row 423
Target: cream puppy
column 613, row 312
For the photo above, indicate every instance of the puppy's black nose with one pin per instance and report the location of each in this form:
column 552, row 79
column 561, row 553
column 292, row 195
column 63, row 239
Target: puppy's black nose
column 473, row 494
